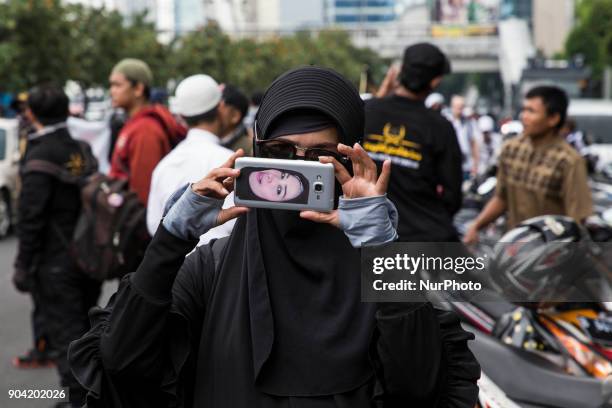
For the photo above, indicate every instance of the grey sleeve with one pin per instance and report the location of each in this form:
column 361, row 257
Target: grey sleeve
column 368, row 221
column 189, row 215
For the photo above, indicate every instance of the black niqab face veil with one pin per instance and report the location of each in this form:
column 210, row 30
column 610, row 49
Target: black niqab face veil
column 309, row 331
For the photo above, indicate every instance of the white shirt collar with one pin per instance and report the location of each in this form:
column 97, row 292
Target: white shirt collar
column 201, row 135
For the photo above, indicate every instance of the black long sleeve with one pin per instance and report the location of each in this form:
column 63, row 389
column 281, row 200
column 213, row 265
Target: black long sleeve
column 34, row 199
column 134, row 342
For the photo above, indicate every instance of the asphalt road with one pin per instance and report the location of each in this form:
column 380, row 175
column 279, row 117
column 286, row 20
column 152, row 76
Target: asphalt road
column 15, row 337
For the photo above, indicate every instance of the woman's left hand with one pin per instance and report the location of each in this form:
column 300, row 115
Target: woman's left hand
column 365, row 181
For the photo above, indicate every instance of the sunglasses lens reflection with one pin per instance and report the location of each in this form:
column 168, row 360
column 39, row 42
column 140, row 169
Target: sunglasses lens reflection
column 278, row 150
column 282, row 150
column 314, row 154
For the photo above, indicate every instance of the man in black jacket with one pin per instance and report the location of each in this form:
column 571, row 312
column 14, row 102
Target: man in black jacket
column 426, row 159
column 48, row 212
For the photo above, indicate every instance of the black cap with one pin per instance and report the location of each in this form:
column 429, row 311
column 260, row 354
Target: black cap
column 314, row 88
column 422, row 63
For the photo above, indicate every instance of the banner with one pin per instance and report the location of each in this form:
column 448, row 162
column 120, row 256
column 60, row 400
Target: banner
column 465, row 12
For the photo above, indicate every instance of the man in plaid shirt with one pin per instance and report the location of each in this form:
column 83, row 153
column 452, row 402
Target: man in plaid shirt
column 539, row 173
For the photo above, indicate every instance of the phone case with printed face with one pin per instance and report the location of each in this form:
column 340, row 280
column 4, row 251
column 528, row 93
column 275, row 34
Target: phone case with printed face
column 284, row 184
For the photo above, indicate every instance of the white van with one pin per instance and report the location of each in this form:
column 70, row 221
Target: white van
column 594, row 118
column 9, row 163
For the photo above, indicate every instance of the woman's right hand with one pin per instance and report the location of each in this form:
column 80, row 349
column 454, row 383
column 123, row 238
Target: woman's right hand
column 218, row 184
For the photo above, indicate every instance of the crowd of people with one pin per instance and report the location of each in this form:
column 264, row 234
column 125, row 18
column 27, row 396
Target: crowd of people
column 233, row 306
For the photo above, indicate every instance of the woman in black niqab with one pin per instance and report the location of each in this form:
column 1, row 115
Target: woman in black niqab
column 321, row 331
column 277, row 320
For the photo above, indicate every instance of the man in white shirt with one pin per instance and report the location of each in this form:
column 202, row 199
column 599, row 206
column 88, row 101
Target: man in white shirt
column 197, row 100
column 490, row 143
column 466, row 130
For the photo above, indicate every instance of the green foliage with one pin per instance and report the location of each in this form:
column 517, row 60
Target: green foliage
column 28, row 42
column 48, row 40
column 252, row 64
column 591, row 35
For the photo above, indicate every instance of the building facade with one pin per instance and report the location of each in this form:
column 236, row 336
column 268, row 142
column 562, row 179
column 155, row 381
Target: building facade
column 552, row 22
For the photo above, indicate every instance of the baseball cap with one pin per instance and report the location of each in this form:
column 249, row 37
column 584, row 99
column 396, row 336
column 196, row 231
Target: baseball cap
column 196, row 95
column 135, row 69
column 422, row 62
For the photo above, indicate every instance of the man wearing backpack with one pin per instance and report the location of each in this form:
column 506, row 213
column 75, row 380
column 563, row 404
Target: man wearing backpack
column 48, row 212
column 150, row 131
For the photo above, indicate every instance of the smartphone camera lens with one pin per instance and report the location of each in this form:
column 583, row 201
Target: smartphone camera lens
column 318, row 187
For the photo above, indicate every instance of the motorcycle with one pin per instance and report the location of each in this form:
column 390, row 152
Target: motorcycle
column 539, row 359
column 551, row 356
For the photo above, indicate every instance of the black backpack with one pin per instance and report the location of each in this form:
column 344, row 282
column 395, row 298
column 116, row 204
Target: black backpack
column 111, row 235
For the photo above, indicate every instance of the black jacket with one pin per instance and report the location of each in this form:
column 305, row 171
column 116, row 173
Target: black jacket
column 148, row 347
column 425, row 157
column 48, row 209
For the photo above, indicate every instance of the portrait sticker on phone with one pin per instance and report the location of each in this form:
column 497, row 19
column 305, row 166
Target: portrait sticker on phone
column 284, row 184
column 276, row 185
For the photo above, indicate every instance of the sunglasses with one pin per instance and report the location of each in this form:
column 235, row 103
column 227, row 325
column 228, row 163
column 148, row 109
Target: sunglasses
column 284, row 149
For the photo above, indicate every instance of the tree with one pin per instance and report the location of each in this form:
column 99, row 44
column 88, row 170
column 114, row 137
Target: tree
column 253, row 64
column 30, row 41
column 102, row 38
column 47, row 40
column 590, row 36
column 206, row 50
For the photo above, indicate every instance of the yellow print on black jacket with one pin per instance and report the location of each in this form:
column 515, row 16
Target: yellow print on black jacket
column 393, row 142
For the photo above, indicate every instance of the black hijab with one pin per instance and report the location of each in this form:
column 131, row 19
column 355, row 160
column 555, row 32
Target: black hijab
column 310, row 332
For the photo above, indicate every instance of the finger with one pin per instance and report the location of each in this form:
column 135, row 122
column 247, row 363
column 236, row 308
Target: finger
column 232, row 159
column 370, row 171
column 331, row 218
column 344, row 149
column 209, row 188
column 347, row 151
column 385, row 175
column 361, row 167
column 230, row 213
column 215, row 189
column 221, row 173
column 342, row 175
column 356, row 160
column 228, row 183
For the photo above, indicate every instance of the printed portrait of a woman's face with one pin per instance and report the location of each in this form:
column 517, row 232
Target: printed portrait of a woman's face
column 276, row 185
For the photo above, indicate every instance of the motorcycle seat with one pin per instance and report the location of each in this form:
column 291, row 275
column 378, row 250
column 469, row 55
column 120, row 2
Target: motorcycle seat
column 529, row 378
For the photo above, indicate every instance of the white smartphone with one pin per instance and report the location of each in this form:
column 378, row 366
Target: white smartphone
column 284, row 184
